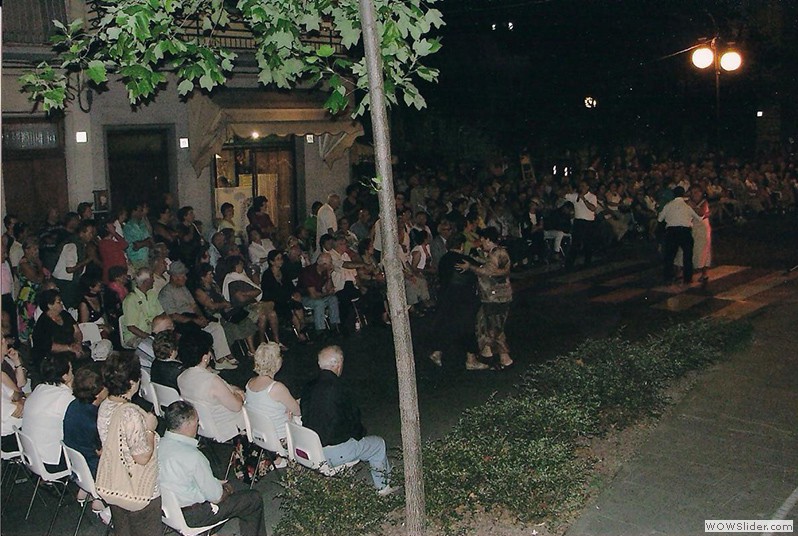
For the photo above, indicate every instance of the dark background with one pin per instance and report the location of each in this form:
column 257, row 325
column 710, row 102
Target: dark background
column 502, row 90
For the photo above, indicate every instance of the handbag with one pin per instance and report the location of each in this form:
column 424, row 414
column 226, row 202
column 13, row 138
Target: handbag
column 117, row 483
column 234, row 315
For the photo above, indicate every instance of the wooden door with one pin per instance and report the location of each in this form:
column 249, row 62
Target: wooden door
column 34, row 170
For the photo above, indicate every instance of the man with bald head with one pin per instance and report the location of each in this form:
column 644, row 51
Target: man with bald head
column 318, row 292
column 329, row 410
column 144, row 350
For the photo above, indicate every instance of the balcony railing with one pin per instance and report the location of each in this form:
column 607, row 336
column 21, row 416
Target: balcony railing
column 235, row 36
column 29, row 22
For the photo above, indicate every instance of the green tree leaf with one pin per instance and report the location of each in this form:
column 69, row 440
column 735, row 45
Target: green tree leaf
column 96, row 71
column 185, row 87
column 325, row 51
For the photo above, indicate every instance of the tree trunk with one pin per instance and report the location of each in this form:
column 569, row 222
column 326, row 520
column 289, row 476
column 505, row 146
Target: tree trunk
column 400, row 322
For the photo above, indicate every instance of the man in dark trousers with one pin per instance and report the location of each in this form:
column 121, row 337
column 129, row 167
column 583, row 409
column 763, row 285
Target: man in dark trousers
column 186, row 473
column 679, row 218
column 328, row 409
column 584, row 235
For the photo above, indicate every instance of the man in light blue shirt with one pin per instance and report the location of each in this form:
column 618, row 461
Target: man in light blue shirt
column 186, row 473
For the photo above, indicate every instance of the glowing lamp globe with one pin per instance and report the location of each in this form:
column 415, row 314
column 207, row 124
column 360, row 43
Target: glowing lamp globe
column 731, row 61
column 703, row 57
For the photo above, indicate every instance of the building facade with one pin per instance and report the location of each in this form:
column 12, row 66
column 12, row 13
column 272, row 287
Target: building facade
column 240, row 141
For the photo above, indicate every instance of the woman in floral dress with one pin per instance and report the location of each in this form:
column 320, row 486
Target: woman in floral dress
column 31, row 276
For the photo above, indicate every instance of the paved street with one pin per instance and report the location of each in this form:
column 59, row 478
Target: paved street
column 726, row 451
column 730, row 444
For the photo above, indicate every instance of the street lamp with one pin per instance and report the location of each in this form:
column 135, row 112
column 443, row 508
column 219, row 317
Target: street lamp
column 728, row 60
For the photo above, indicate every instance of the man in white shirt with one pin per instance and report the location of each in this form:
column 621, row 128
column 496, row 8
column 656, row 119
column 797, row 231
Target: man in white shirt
column 679, row 218
column 326, row 221
column 583, row 233
column 186, row 473
column 344, row 276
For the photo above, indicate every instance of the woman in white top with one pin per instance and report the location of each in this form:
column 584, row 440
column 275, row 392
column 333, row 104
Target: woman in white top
column 12, row 402
column 198, row 384
column 416, row 287
column 43, row 420
column 268, row 396
column 259, row 249
column 241, row 291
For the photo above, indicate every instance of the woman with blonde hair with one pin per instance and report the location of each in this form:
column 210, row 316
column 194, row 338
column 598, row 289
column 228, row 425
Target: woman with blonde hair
column 268, row 396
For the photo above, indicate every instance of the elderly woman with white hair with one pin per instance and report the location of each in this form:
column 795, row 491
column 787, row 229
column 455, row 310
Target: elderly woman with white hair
column 266, row 395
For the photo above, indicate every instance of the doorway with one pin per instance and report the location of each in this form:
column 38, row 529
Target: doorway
column 139, row 164
column 245, row 170
column 34, row 169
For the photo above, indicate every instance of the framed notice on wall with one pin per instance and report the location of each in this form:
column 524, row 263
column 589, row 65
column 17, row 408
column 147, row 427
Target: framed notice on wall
column 102, row 201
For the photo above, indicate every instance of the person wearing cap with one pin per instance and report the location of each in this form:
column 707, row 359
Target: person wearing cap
column 178, row 303
column 495, row 293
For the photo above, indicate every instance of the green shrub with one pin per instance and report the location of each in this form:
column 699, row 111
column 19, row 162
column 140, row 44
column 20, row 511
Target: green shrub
column 312, row 503
column 531, row 478
column 518, row 454
column 560, row 418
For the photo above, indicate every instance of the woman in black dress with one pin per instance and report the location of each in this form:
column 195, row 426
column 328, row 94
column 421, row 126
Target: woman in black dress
column 279, row 289
column 458, row 303
column 56, row 330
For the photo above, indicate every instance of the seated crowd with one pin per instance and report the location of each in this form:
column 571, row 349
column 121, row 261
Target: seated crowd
column 88, row 304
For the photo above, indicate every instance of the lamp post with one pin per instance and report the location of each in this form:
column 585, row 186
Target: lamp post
column 728, row 60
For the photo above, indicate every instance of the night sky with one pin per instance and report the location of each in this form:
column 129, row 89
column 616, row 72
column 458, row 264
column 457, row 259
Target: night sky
column 526, row 86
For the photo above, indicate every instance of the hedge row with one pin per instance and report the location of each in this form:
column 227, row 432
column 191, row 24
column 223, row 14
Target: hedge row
column 518, row 454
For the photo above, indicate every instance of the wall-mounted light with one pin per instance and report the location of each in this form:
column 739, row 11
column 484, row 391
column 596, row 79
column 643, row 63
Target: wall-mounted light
column 760, row 113
column 309, row 138
column 81, row 136
column 255, row 135
column 184, row 143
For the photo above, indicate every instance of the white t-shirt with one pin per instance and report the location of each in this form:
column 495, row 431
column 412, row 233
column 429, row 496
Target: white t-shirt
column 341, row 275
column 581, row 212
column 678, row 213
column 325, row 219
column 7, row 407
column 43, row 419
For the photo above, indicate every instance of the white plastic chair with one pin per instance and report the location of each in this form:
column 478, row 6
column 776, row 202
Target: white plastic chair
column 33, row 461
column 122, row 334
column 10, row 457
column 81, row 473
column 304, row 447
column 173, row 516
column 148, row 393
column 209, row 430
column 261, row 432
column 165, row 395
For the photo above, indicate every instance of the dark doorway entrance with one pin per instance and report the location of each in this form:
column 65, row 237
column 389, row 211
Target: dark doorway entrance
column 138, row 164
